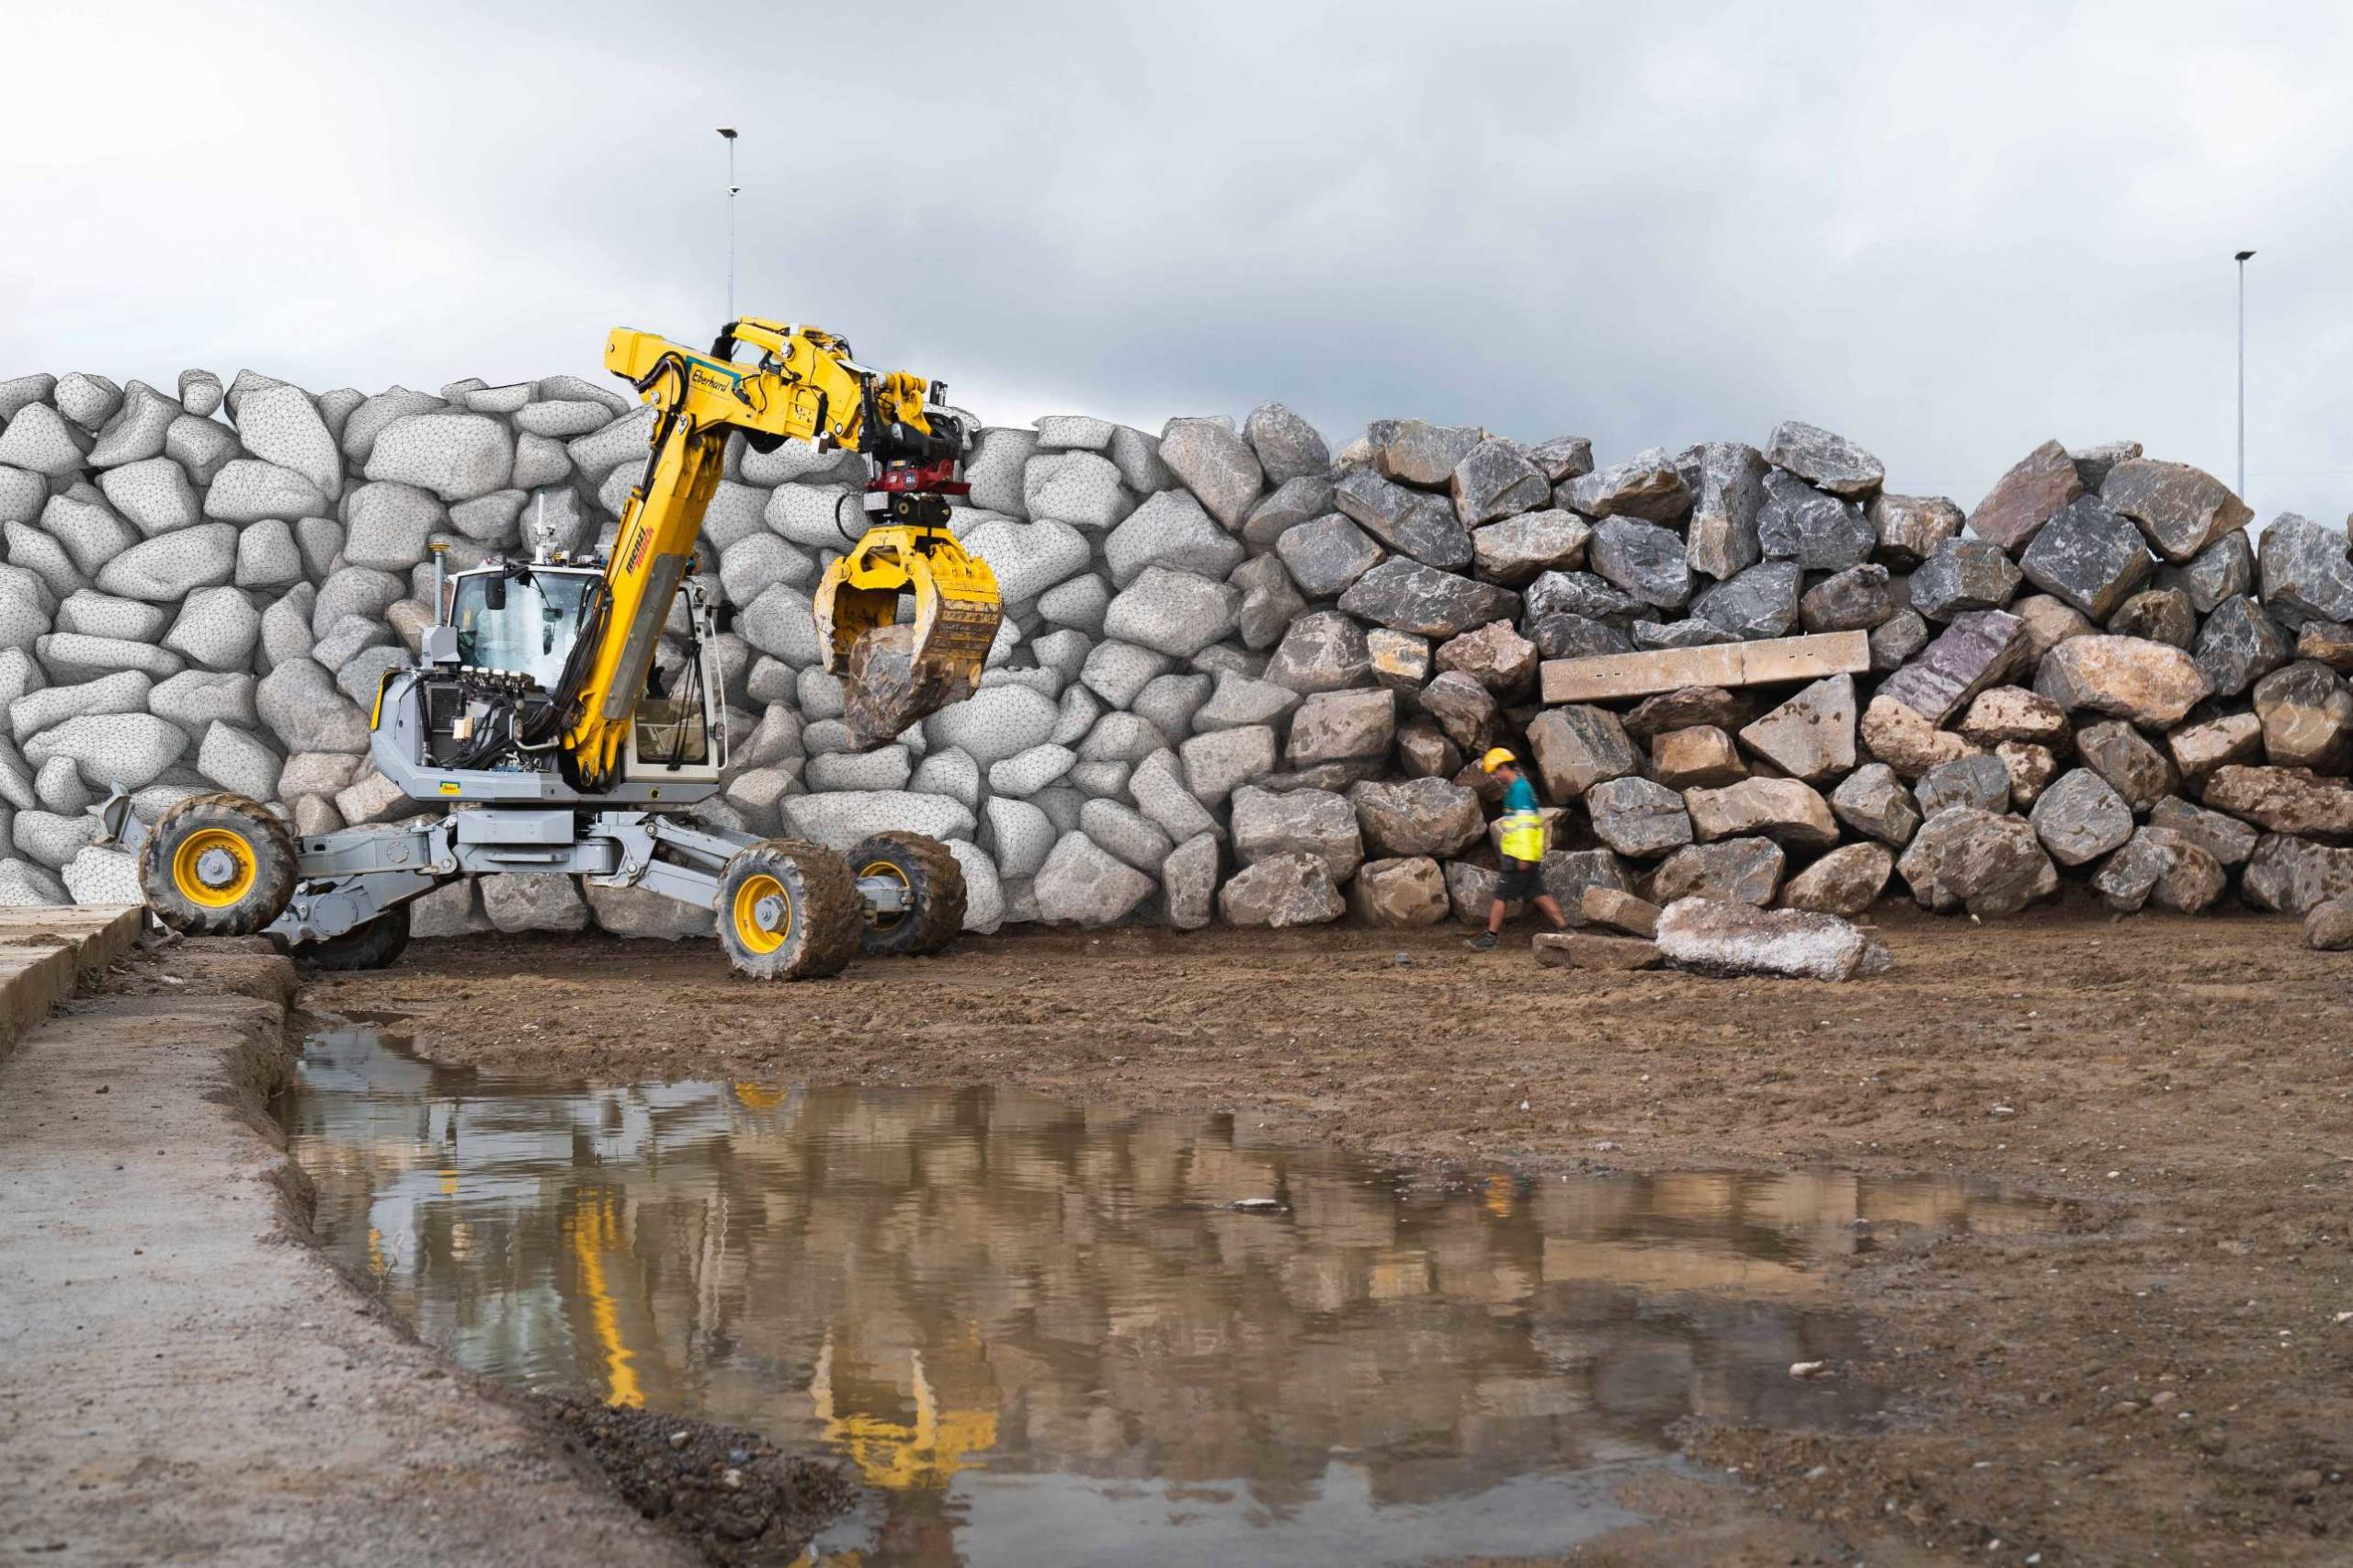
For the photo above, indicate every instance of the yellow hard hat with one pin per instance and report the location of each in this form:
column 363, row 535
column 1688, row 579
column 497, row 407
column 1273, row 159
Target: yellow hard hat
column 1496, row 758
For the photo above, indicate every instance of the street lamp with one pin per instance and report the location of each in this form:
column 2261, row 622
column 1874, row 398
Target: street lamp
column 729, row 133
column 2242, row 261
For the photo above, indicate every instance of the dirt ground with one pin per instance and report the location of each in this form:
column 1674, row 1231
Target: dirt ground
column 2165, row 1375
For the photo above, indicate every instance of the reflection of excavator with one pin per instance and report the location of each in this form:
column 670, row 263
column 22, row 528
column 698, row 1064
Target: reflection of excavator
column 550, row 716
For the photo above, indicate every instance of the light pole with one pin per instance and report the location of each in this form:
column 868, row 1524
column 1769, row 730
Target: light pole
column 2242, row 261
column 729, row 133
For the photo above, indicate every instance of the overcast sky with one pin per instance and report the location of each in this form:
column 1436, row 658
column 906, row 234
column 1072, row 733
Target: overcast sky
column 1949, row 236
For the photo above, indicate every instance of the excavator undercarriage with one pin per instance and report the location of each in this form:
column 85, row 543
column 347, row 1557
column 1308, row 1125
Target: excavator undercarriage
column 565, row 715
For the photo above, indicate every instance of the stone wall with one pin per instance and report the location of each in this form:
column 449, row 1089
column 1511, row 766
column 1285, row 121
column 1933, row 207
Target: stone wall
column 1242, row 675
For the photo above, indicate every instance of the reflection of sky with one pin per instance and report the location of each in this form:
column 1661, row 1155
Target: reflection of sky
column 1026, row 1324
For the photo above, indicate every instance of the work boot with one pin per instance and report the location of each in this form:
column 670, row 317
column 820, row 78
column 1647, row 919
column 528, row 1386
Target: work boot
column 1484, row 942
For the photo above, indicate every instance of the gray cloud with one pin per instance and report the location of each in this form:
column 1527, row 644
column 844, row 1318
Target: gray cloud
column 1950, row 234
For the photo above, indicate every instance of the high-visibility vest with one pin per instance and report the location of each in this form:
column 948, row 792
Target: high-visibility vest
column 1523, row 837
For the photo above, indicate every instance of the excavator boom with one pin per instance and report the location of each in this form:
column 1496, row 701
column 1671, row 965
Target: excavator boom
column 803, row 385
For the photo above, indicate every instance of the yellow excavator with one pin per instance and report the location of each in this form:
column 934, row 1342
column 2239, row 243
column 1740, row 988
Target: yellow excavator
column 553, row 727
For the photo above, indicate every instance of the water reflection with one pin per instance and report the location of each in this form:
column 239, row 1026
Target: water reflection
column 1042, row 1333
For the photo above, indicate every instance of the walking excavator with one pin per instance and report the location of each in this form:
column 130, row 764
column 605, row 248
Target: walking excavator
column 538, row 723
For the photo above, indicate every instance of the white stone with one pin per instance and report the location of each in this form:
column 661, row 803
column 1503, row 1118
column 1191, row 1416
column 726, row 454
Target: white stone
column 69, row 656
column 39, row 438
column 46, row 707
column 456, row 456
column 1027, row 558
column 1170, row 612
column 782, row 623
column 25, row 884
column 993, row 724
column 1125, row 833
column 47, row 838
column 154, row 494
column 984, row 890
column 60, row 788
column 217, row 629
column 166, row 568
column 1020, row 834
column 1027, row 772
column 91, row 533
column 246, row 490
column 103, row 875
column 1218, row 761
column 1083, row 884
column 87, row 400
column 885, row 767
column 1170, row 529
column 386, row 525
column 816, row 516
column 839, row 820
column 238, row 761
column 267, row 556
column 34, row 550
column 201, row 447
column 97, row 615
column 299, row 703
column 1118, row 671
column 126, row 751
column 280, row 423
column 1158, row 786
column 1078, row 488
column 1078, row 604
column 952, row 772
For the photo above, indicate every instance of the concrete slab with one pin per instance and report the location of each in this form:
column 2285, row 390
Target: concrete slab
column 1761, row 662
column 46, row 953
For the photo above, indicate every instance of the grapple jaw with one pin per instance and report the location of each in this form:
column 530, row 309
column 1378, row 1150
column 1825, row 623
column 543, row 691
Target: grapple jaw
column 892, row 672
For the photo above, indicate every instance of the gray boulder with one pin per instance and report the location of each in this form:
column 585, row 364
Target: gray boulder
column 1218, row 761
column 2088, row 557
column 2304, row 571
column 1413, row 451
column 1820, row 532
column 1083, row 884
column 2239, row 645
column 1647, row 486
column 1642, row 560
column 127, row 751
column 1873, row 801
column 1216, row 465
column 1285, row 508
column 1761, row 601
column 1967, row 860
column 299, row 703
column 1847, row 881
column 1963, row 575
column 1638, row 818
column 2081, row 818
column 1170, row 530
column 1737, row 871
column 1286, row 446
column 1326, row 555
column 1412, row 524
column 1857, row 599
column 1497, row 479
column 1982, row 781
column 1282, row 891
column 1576, row 746
column 1172, row 612
column 2181, row 509
column 1514, row 552
column 1406, row 595
column 1188, row 883
column 1297, row 821
column 1718, row 938
column 1417, row 817
column 1730, row 495
column 1270, row 601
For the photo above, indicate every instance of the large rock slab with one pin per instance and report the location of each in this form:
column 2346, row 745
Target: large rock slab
column 1577, row 746
column 1638, row 817
column 1083, row 884
column 1406, row 595
column 1216, row 464
column 839, row 820
column 1979, row 649
column 2081, row 818
column 1648, row 487
column 1298, row 821
column 1738, row 870
column 1516, row 550
column 2037, row 489
column 1780, row 659
column 1811, row 736
column 2088, row 557
column 2283, row 799
column 2181, row 509
column 2151, row 684
column 1967, row 860
column 1712, row 936
column 1408, row 891
column 1282, row 891
column 1783, row 810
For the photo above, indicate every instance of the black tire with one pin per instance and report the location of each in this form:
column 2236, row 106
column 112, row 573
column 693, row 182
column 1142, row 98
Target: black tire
column 218, row 865
column 788, row 910
column 935, row 884
column 373, row 944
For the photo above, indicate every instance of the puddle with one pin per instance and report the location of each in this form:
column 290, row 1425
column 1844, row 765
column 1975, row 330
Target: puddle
column 1045, row 1333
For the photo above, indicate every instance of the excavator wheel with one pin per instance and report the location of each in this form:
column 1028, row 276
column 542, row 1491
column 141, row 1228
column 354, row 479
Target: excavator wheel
column 935, row 885
column 788, row 910
column 217, row 864
column 373, row 944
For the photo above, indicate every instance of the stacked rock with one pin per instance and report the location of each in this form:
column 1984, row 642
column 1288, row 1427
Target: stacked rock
column 1241, row 678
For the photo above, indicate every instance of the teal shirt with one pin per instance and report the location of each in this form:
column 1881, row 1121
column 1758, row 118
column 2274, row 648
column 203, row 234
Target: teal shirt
column 1520, row 795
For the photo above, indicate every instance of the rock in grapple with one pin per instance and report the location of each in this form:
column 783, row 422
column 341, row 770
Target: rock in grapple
column 1244, row 672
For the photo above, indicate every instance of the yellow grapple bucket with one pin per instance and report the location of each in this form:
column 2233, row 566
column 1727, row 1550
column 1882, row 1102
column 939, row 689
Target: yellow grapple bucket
column 894, row 674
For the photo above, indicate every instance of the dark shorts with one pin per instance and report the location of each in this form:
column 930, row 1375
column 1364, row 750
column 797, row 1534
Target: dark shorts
column 1519, row 880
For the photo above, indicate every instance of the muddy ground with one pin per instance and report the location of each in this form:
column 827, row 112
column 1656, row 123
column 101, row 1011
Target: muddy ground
column 2162, row 1376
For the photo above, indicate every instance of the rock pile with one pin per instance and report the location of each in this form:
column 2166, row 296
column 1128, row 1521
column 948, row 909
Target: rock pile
column 1241, row 675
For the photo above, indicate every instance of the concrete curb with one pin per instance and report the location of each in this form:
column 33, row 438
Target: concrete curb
column 47, row 953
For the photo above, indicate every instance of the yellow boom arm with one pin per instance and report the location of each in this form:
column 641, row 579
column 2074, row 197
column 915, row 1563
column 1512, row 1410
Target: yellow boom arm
column 803, row 384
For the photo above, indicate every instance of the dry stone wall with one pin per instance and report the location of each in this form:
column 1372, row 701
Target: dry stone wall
column 1243, row 677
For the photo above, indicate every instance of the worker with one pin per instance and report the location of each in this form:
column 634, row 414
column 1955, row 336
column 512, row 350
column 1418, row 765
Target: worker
column 1523, row 849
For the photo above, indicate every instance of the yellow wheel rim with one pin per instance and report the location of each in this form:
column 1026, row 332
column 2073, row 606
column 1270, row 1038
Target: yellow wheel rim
column 213, row 867
column 762, row 913
column 886, row 868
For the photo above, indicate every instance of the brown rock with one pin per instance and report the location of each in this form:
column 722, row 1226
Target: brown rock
column 2035, row 491
column 1424, row 751
column 2289, row 875
column 2329, row 927
column 1465, row 710
column 2161, row 867
column 2229, row 840
column 1577, row 746
column 2198, row 749
column 1401, row 660
column 2328, row 642
column 2031, row 768
column 1583, row 949
column 1811, row 736
column 1417, row 817
column 1785, row 810
column 1409, row 891
column 2137, row 770
column 2180, row 510
column 2160, row 615
column 1619, row 910
column 1691, row 706
column 1495, row 656
column 1701, row 757
column 2049, row 622
column 2307, row 717
column 1911, row 527
column 1847, row 881
column 2283, row 799
column 2014, row 713
column 2151, row 684
column 1895, row 733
